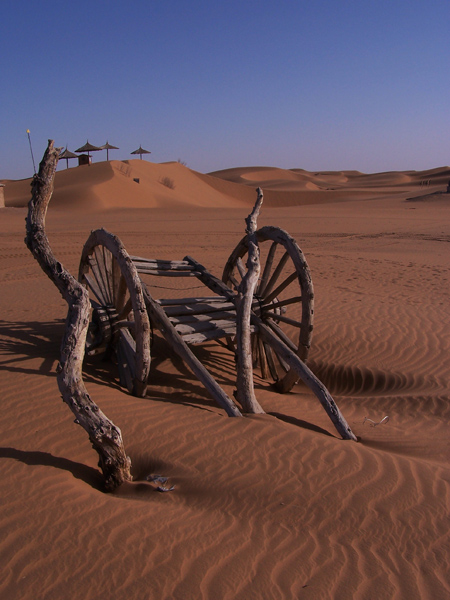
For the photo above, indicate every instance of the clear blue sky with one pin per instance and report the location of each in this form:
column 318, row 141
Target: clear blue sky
column 313, row 84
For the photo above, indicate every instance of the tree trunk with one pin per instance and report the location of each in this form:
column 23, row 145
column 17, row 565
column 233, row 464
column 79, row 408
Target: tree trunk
column 105, row 437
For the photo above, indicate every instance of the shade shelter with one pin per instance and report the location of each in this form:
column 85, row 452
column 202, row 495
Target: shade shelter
column 67, row 154
column 108, row 147
column 141, row 151
column 88, row 148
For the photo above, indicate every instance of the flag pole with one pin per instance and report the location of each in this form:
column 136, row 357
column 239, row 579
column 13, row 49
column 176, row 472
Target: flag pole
column 31, row 150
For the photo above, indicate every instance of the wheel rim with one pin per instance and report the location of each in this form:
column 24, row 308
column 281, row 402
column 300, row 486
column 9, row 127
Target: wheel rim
column 119, row 325
column 284, row 300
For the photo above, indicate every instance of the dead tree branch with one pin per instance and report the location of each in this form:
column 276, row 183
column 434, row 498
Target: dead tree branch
column 245, row 393
column 105, row 437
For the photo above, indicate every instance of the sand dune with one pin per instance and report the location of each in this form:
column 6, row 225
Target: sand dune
column 270, row 507
column 142, row 184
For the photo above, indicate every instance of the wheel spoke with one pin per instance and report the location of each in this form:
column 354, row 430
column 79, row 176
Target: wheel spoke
column 292, row 277
column 284, row 299
column 281, row 303
column 283, row 319
column 98, row 280
column 282, row 362
column 262, row 359
column 275, row 276
column 100, row 260
column 270, row 361
column 92, row 284
column 107, row 262
column 267, row 269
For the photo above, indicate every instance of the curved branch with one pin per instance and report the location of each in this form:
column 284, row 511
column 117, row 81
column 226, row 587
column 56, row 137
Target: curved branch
column 105, row 437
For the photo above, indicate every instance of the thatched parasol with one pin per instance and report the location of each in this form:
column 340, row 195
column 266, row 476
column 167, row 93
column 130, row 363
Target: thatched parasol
column 88, row 148
column 67, row 154
column 141, row 151
column 108, row 147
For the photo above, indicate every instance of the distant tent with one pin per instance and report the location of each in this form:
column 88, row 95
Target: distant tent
column 108, row 147
column 141, row 151
column 67, row 154
column 88, row 148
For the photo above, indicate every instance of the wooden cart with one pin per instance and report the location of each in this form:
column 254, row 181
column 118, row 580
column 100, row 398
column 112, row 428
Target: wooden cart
column 125, row 311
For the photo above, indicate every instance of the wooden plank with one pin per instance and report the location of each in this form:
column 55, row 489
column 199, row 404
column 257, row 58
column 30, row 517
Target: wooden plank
column 213, row 316
column 150, row 271
column 198, row 309
column 175, row 263
column 184, row 328
column 161, row 320
column 186, row 301
column 163, row 266
column 195, row 339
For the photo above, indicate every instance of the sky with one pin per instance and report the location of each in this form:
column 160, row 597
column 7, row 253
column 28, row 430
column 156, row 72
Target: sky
column 317, row 85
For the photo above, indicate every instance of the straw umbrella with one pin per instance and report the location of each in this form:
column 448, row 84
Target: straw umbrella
column 141, row 151
column 67, row 154
column 88, row 148
column 108, row 147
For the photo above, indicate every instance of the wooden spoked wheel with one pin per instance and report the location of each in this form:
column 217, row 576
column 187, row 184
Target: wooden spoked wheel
column 119, row 326
column 284, row 300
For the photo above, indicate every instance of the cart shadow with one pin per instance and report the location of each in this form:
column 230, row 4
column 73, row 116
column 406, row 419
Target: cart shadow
column 32, row 340
column 85, row 473
column 40, row 342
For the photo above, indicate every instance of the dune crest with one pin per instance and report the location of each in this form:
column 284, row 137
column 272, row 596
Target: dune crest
column 142, row 184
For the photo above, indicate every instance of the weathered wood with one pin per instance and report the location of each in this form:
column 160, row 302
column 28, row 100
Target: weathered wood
column 277, row 317
column 158, row 266
column 105, row 437
column 189, row 301
column 210, row 317
column 163, row 323
column 164, row 273
column 198, row 309
column 308, row 377
column 268, row 297
column 245, row 393
column 211, row 281
column 102, row 243
column 200, row 326
column 194, row 339
column 173, row 264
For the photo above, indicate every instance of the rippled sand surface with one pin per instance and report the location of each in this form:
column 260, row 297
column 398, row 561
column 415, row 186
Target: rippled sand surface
column 273, row 506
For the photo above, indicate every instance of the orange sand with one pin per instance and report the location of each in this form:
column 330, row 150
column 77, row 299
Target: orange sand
column 271, row 507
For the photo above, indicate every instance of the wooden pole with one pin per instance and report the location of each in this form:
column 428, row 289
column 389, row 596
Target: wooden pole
column 105, row 437
column 245, row 393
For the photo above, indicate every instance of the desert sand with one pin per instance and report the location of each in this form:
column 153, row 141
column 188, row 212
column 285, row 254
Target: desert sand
column 267, row 507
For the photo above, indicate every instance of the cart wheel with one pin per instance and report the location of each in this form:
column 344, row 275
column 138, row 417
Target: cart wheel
column 119, row 324
column 285, row 300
